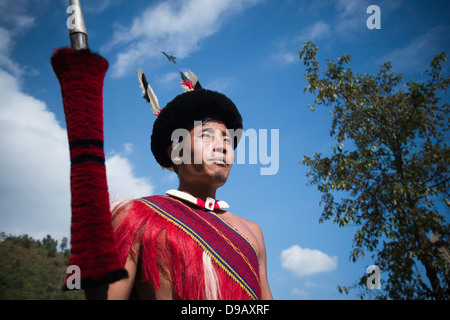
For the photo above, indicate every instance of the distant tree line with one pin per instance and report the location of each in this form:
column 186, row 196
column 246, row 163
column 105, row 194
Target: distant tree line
column 48, row 244
column 33, row 269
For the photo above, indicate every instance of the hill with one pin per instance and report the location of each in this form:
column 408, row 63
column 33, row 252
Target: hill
column 33, row 270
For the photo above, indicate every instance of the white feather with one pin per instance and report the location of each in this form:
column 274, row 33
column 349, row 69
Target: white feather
column 211, row 281
column 191, row 76
column 151, row 94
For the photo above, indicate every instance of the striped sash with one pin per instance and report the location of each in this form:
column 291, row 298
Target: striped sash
column 223, row 243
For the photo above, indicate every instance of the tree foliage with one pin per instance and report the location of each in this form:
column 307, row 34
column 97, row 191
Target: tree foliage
column 33, row 269
column 388, row 173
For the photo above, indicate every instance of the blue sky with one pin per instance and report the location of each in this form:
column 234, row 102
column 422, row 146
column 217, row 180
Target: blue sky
column 245, row 49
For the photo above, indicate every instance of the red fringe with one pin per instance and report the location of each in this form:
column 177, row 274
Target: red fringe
column 163, row 245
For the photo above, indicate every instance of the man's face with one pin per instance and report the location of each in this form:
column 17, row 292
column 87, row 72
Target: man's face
column 211, row 155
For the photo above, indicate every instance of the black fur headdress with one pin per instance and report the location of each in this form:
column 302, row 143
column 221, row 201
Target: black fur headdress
column 195, row 104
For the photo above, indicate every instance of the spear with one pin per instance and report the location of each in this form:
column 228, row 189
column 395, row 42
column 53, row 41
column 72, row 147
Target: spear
column 77, row 27
column 93, row 251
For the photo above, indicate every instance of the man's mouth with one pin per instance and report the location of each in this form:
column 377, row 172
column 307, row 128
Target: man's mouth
column 219, row 161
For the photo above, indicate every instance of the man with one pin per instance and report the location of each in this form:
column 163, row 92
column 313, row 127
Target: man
column 185, row 245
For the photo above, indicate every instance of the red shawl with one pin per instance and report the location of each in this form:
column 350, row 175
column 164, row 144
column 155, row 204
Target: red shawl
column 171, row 232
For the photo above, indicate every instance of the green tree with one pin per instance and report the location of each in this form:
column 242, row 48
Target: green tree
column 50, row 245
column 388, row 174
column 63, row 246
column 27, row 271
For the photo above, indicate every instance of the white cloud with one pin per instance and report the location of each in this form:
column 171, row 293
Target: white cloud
column 284, row 57
column 304, row 261
column 14, row 21
column 417, row 54
column 348, row 8
column 300, row 292
column 176, row 27
column 128, row 148
column 319, row 30
column 98, row 5
column 284, row 54
column 309, row 286
column 221, row 84
column 35, row 167
column 169, row 79
column 34, row 163
column 122, row 182
column 350, row 18
column 5, row 46
column 13, row 13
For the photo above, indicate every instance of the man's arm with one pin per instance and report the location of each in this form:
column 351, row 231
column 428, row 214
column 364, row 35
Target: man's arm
column 266, row 294
column 121, row 290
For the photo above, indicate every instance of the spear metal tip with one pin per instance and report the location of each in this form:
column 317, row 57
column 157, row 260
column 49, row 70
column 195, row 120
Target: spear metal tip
column 77, row 20
column 77, row 27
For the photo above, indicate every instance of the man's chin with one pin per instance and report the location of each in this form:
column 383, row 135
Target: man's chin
column 220, row 177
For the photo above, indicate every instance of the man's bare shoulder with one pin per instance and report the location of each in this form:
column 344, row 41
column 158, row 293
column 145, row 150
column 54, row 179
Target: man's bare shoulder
column 250, row 225
column 229, row 215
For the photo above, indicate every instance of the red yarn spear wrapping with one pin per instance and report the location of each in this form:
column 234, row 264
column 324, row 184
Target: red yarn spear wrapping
column 93, row 250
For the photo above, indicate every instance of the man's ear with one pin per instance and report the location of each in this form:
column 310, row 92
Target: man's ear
column 169, row 153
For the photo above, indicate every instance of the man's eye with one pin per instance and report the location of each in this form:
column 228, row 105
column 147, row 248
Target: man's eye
column 206, row 135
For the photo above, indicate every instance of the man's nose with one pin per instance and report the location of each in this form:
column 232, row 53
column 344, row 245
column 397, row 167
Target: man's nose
column 219, row 144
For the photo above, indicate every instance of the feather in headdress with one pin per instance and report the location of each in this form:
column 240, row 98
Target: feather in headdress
column 148, row 92
column 189, row 80
column 169, row 57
